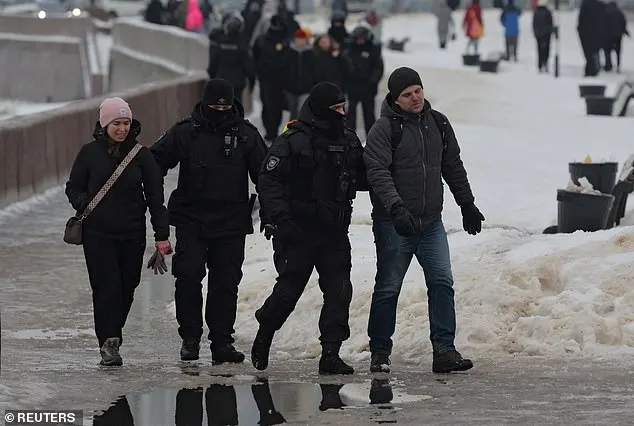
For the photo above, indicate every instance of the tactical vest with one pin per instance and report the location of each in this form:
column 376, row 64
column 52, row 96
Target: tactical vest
column 327, row 171
column 218, row 171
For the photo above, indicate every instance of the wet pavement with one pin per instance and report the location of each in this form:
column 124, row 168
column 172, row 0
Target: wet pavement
column 261, row 402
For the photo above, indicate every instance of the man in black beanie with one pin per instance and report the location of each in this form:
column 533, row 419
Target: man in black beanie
column 217, row 150
column 410, row 150
column 307, row 183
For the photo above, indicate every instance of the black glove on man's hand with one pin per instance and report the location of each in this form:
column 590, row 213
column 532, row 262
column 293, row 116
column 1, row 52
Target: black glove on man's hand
column 288, row 231
column 404, row 222
column 471, row 219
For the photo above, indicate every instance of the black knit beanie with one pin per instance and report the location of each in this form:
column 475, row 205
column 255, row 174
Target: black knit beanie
column 401, row 79
column 218, row 92
column 324, row 95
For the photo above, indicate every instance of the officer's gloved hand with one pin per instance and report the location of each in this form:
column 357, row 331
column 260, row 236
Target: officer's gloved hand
column 157, row 263
column 333, row 214
column 471, row 219
column 164, row 247
column 288, row 232
column 404, row 222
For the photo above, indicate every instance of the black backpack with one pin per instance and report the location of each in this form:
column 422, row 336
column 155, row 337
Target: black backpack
column 396, row 124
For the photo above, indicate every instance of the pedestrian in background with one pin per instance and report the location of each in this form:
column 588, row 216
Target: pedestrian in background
column 543, row 30
column 473, row 25
column 510, row 19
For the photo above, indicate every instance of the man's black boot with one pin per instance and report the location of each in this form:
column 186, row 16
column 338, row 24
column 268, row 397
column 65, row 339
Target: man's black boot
column 190, row 349
column 261, row 348
column 449, row 361
column 225, row 353
column 380, row 362
column 330, row 362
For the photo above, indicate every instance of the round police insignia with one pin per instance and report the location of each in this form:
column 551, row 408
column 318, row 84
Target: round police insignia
column 272, row 163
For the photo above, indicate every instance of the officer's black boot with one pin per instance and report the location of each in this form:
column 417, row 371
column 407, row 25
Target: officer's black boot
column 447, row 362
column 261, row 347
column 190, row 349
column 225, row 353
column 330, row 362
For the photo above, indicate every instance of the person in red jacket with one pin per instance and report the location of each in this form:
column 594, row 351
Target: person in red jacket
column 473, row 25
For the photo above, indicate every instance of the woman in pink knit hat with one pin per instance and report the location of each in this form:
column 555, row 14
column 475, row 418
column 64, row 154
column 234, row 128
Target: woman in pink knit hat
column 114, row 232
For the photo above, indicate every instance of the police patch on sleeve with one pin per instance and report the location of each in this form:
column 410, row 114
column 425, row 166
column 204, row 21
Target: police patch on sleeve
column 272, row 163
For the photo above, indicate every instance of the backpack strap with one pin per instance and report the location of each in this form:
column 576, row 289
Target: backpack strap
column 441, row 123
column 396, row 124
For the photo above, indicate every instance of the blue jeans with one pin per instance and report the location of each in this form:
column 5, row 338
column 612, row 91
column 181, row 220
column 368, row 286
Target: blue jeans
column 394, row 255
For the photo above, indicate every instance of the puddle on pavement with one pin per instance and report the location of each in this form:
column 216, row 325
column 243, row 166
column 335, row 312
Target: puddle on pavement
column 258, row 403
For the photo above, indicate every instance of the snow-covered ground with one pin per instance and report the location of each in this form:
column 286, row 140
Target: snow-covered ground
column 517, row 290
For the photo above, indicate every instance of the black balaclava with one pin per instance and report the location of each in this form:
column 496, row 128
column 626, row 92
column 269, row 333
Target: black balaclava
column 322, row 96
column 277, row 27
column 217, row 92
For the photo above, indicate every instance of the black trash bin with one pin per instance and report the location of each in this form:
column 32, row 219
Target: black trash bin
column 471, row 60
column 591, row 90
column 602, row 176
column 599, row 105
column 582, row 212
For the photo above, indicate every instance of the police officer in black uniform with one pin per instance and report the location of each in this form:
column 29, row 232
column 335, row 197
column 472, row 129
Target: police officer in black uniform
column 217, row 150
column 229, row 55
column 306, row 186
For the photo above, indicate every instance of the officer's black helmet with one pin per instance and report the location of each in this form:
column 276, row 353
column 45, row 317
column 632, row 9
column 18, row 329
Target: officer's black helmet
column 232, row 23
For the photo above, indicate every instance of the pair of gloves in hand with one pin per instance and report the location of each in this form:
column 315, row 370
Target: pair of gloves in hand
column 406, row 224
column 157, row 261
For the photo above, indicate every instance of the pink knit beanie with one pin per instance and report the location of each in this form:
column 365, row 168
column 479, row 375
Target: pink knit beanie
column 113, row 108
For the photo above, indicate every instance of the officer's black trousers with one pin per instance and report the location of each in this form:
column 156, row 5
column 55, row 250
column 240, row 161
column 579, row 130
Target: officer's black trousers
column 330, row 255
column 273, row 100
column 367, row 104
column 114, row 269
column 224, row 257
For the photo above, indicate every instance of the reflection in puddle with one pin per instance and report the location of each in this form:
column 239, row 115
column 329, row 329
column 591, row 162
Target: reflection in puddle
column 260, row 403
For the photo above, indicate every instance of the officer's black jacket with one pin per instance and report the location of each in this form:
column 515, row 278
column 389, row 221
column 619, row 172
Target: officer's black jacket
column 307, row 164
column 215, row 161
column 230, row 59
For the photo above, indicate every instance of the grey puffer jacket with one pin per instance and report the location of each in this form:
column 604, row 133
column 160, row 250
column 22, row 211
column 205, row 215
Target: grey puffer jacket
column 413, row 173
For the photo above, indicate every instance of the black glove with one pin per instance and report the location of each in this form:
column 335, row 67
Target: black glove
column 288, row 232
column 404, row 222
column 471, row 219
column 157, row 263
column 333, row 214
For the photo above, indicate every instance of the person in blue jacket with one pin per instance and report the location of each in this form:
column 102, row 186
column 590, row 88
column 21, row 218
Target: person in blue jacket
column 511, row 21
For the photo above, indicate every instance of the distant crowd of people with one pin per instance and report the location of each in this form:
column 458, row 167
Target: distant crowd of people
column 288, row 60
column 601, row 27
